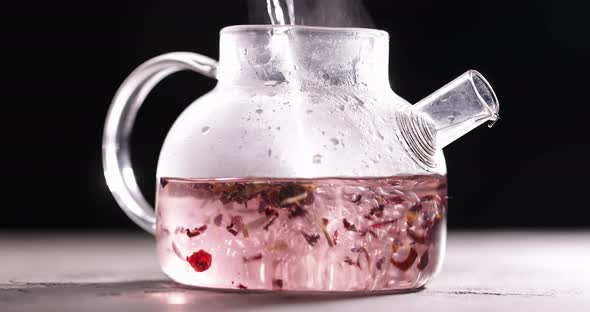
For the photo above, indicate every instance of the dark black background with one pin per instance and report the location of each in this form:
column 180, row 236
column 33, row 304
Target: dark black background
column 65, row 61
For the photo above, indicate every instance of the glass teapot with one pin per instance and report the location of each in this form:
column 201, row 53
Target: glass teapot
column 301, row 170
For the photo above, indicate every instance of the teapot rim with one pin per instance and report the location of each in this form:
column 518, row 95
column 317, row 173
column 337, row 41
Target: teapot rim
column 266, row 27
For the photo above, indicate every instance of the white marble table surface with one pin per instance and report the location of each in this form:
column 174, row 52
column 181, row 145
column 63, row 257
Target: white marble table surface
column 483, row 271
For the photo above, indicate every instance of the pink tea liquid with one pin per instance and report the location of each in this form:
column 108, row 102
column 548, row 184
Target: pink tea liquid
column 302, row 234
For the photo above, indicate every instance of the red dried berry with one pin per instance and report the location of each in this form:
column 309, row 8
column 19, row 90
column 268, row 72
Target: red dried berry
column 200, row 260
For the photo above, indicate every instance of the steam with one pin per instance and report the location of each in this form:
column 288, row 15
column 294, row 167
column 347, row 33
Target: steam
column 329, row 13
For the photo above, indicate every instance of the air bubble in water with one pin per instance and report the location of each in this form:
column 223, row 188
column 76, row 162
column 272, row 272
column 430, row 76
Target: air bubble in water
column 317, row 159
column 334, row 141
column 259, row 111
column 269, row 153
column 205, row 130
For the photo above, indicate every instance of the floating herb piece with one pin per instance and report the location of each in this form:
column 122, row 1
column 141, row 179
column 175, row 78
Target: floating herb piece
column 419, row 238
column 378, row 225
column 235, row 226
column 395, row 200
column 411, row 217
column 200, row 260
column 293, row 193
column 296, row 211
column 255, row 257
column 379, row 263
column 369, row 231
column 163, row 182
column 423, row 263
column 270, row 222
column 406, row 263
column 349, row 261
column 240, row 286
column 312, row 239
column 218, row 219
column 277, row 284
column 176, row 251
column 356, row 198
column 335, row 238
column 196, row 231
column 348, row 226
column 377, row 211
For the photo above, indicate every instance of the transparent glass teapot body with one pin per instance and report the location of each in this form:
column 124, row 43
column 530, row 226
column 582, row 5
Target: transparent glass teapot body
column 300, row 164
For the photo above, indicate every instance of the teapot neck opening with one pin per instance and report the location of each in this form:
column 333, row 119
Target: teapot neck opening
column 266, row 55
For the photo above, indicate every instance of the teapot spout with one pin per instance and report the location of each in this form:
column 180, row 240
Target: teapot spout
column 459, row 107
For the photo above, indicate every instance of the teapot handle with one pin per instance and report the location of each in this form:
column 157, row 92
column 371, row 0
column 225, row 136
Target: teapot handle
column 119, row 123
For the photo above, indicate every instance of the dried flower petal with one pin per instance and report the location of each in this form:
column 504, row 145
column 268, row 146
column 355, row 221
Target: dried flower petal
column 163, row 182
column 312, row 239
column 255, row 257
column 240, row 286
column 196, row 231
column 406, row 263
column 348, row 226
column 200, row 260
column 335, row 238
column 235, row 226
column 348, row 260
